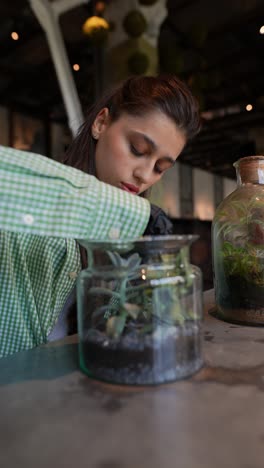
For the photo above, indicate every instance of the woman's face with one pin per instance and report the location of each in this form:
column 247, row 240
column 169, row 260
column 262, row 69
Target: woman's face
column 133, row 152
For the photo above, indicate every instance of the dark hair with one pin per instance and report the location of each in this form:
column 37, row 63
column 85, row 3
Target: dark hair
column 136, row 96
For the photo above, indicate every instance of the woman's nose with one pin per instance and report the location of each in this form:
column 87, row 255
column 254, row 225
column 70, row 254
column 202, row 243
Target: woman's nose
column 144, row 173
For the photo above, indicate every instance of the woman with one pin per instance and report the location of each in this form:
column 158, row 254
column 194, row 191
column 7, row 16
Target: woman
column 160, row 104
column 130, row 138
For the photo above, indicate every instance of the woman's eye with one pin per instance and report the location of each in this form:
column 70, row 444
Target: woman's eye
column 135, row 151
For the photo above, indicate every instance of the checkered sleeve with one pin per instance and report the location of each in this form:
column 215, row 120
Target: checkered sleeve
column 41, row 196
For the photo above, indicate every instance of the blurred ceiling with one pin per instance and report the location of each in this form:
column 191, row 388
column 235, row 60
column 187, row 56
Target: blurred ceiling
column 219, row 52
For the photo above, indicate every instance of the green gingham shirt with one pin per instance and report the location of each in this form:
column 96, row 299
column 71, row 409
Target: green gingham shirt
column 44, row 206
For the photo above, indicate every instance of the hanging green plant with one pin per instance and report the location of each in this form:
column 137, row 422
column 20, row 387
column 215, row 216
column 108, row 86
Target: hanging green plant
column 147, row 2
column 135, row 23
column 118, row 58
column 138, row 63
column 97, row 29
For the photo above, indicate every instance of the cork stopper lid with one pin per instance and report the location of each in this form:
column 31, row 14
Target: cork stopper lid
column 250, row 169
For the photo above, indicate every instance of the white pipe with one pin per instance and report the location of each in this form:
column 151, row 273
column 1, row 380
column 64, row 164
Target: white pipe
column 48, row 18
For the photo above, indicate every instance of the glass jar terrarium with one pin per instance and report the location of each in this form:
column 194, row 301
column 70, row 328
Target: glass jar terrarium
column 140, row 310
column 238, row 247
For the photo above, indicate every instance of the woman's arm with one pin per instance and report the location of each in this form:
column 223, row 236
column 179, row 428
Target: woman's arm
column 41, row 196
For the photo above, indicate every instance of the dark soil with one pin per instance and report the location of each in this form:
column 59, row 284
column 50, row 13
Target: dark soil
column 241, row 302
column 171, row 354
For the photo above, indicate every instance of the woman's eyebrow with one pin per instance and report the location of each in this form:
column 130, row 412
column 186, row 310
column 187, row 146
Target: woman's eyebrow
column 154, row 147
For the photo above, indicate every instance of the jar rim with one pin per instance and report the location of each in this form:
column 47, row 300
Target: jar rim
column 248, row 158
column 172, row 240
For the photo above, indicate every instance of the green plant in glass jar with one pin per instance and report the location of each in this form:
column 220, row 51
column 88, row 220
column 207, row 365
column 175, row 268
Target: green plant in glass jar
column 139, row 311
column 238, row 246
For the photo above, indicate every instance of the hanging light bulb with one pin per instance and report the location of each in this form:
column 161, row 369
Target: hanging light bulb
column 14, row 36
column 76, row 67
column 249, row 107
column 96, row 28
column 261, row 30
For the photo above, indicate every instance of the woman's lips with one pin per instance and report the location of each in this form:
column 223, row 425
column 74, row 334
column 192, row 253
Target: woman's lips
column 129, row 188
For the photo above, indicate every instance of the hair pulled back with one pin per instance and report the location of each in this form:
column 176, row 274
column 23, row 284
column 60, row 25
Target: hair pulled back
column 137, row 96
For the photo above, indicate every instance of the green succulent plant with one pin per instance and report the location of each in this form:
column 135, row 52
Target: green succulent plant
column 143, row 304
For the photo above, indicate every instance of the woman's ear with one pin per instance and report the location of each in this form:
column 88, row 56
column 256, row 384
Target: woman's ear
column 100, row 123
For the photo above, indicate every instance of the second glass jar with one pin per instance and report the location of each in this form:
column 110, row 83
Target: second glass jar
column 238, row 247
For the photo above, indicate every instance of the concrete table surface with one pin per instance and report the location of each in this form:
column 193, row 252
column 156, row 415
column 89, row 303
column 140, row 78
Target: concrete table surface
column 52, row 415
